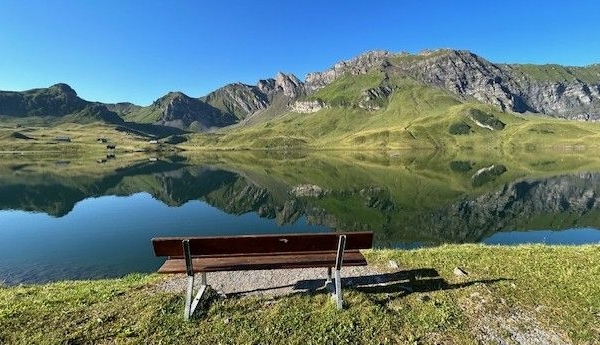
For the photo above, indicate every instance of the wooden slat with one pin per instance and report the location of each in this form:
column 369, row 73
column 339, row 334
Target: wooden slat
column 261, row 244
column 264, row 261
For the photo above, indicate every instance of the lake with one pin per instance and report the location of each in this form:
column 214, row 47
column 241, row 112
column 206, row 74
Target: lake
column 74, row 219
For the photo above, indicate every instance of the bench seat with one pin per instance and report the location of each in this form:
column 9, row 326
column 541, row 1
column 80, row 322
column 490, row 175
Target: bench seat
column 244, row 262
column 193, row 255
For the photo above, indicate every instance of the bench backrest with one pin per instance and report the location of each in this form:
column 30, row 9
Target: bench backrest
column 261, row 244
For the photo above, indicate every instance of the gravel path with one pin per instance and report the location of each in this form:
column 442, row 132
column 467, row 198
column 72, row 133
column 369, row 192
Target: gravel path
column 276, row 282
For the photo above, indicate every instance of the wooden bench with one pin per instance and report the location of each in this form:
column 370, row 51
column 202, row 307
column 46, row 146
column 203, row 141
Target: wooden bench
column 192, row 255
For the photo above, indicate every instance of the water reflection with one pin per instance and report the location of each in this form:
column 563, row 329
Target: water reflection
column 420, row 202
column 116, row 207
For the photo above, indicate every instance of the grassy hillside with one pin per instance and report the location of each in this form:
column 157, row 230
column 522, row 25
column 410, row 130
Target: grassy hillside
column 557, row 73
column 412, row 116
column 511, row 294
column 40, row 138
column 144, row 115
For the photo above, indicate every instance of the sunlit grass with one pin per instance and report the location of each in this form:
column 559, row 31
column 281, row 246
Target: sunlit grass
column 551, row 288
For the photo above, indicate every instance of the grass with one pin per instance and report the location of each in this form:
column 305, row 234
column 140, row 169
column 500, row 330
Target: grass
column 552, row 290
column 39, row 139
column 347, row 89
column 557, row 73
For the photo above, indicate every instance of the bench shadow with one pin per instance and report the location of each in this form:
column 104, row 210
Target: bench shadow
column 405, row 282
column 401, row 284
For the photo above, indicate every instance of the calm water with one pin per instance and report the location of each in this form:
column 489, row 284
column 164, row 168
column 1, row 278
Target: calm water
column 56, row 223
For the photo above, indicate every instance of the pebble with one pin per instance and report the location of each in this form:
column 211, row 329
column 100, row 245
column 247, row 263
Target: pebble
column 460, row 272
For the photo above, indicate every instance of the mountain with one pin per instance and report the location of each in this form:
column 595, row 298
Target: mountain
column 226, row 106
column 411, row 96
column 443, row 98
column 567, row 92
column 270, row 96
column 176, row 109
column 59, row 101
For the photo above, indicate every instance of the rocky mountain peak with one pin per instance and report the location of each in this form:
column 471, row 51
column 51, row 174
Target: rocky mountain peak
column 358, row 65
column 266, row 85
column 289, row 84
column 570, row 92
column 176, row 95
column 64, row 89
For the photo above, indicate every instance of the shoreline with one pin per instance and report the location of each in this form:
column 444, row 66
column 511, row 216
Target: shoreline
column 529, row 294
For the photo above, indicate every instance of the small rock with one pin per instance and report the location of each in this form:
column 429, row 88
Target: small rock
column 394, row 264
column 226, row 321
column 460, row 272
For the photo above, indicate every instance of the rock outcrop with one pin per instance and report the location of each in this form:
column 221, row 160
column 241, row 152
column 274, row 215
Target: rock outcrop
column 359, row 65
column 519, row 88
column 242, row 101
column 307, row 107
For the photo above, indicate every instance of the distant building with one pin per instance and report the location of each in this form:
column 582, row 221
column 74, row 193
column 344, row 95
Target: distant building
column 62, row 138
column 153, row 141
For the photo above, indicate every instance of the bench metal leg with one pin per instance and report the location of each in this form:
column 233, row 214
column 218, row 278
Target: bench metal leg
column 328, row 281
column 338, row 290
column 190, row 306
column 188, row 297
column 337, row 295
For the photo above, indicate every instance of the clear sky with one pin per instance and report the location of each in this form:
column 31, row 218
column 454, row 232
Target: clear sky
column 126, row 50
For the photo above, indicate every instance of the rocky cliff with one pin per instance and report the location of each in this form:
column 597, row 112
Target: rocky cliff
column 566, row 92
column 223, row 107
column 242, row 101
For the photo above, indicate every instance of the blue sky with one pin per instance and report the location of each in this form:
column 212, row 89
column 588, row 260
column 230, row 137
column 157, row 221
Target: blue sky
column 137, row 51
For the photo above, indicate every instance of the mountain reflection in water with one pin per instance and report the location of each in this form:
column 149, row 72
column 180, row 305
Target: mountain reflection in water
column 407, row 201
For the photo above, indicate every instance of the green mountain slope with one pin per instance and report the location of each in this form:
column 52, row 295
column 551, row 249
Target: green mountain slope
column 56, row 104
column 181, row 111
column 384, row 101
column 435, row 99
column 411, row 115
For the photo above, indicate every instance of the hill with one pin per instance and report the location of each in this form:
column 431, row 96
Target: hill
column 435, row 99
column 58, row 103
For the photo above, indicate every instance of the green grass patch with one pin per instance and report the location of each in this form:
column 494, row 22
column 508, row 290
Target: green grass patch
column 459, row 128
column 558, row 73
column 346, row 91
column 551, row 289
column 486, row 119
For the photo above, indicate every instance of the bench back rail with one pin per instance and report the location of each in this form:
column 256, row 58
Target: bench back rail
column 260, row 244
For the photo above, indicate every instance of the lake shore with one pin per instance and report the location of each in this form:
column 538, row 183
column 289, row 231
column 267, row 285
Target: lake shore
column 530, row 294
